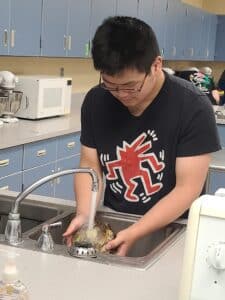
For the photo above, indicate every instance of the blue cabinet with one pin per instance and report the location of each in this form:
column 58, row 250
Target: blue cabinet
column 4, row 27
column 220, row 40
column 11, row 161
column 216, row 180
column 11, row 182
column 78, row 34
column 25, row 27
column 54, row 28
column 100, row 10
column 66, row 28
column 127, row 9
column 221, row 131
column 32, row 175
column 20, row 27
column 64, row 187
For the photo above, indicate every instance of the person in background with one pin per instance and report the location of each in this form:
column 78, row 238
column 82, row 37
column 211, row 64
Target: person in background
column 148, row 132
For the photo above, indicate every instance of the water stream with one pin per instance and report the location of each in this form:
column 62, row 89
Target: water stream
column 91, row 220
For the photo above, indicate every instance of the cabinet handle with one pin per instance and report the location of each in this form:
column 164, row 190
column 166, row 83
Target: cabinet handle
column 65, row 42
column 174, row 51
column 13, row 32
column 4, row 188
column 70, row 145
column 5, row 38
column 4, row 162
column 69, row 42
column 41, row 152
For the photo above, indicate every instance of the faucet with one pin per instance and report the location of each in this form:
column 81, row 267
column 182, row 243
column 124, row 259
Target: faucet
column 13, row 232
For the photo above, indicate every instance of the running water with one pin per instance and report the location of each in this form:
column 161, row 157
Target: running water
column 91, row 220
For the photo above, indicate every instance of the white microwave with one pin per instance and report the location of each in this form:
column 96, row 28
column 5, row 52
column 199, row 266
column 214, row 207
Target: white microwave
column 44, row 96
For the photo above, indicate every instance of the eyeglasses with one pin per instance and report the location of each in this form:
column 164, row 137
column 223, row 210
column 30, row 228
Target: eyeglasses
column 117, row 89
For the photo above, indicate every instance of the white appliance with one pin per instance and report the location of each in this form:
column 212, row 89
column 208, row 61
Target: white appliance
column 44, row 96
column 203, row 274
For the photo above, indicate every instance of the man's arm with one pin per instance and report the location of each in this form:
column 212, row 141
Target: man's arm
column 191, row 174
column 82, row 189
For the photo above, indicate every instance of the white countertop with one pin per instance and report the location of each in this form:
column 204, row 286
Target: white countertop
column 27, row 131
column 52, row 277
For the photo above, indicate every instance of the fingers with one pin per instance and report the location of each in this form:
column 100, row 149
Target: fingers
column 72, row 227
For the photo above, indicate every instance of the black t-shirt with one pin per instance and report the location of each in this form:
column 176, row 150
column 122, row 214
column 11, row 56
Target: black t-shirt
column 138, row 154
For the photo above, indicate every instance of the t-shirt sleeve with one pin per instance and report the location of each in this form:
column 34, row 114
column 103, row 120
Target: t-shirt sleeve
column 198, row 132
column 87, row 134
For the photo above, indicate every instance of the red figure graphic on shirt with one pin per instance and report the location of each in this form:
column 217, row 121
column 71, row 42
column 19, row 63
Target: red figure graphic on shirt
column 129, row 164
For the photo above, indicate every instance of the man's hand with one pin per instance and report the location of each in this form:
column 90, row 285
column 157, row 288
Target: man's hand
column 123, row 241
column 75, row 224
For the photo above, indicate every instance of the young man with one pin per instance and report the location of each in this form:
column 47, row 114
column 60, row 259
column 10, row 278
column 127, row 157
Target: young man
column 150, row 133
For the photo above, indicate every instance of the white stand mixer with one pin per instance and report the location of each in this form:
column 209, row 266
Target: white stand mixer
column 9, row 99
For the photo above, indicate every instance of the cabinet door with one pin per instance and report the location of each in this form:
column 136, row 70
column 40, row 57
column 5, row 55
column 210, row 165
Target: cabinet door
column 159, row 24
column 145, row 11
column 68, row 145
column 180, row 30
column 25, row 27
column 192, row 23
column 39, row 153
column 54, row 28
column 32, row 175
column 216, row 180
column 170, row 30
column 4, row 27
column 11, row 183
column 100, row 10
column 11, row 160
column 127, row 9
column 221, row 131
column 211, row 41
column 64, row 184
column 220, row 40
column 79, row 28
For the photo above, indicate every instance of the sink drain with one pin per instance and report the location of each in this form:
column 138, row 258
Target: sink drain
column 82, row 250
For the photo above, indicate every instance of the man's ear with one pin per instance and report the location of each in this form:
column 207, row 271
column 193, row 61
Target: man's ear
column 157, row 64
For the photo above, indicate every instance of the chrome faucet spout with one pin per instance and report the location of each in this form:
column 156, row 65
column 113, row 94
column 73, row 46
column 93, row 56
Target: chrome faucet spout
column 43, row 180
column 13, row 227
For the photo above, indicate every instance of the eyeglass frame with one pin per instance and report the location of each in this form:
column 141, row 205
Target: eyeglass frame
column 117, row 89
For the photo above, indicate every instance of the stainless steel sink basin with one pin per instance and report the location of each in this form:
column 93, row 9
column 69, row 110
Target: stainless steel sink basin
column 143, row 254
column 32, row 213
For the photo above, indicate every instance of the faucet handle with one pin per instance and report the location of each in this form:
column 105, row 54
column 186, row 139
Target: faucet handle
column 45, row 241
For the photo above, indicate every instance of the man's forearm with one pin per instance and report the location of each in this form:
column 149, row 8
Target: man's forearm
column 165, row 211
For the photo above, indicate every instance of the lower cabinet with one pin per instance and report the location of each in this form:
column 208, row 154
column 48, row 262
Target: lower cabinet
column 32, row 175
column 221, row 131
column 216, row 180
column 64, row 184
column 23, row 165
column 12, row 182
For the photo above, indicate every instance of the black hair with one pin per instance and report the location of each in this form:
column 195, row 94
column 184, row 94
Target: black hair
column 124, row 43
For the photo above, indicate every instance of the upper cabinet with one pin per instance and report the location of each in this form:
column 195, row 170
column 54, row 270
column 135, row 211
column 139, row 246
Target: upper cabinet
column 123, row 9
column 4, row 27
column 100, row 10
column 54, row 27
column 220, row 39
column 79, row 28
column 65, row 28
column 20, row 27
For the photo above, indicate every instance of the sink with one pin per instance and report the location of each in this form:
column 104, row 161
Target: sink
column 32, row 213
column 143, row 254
